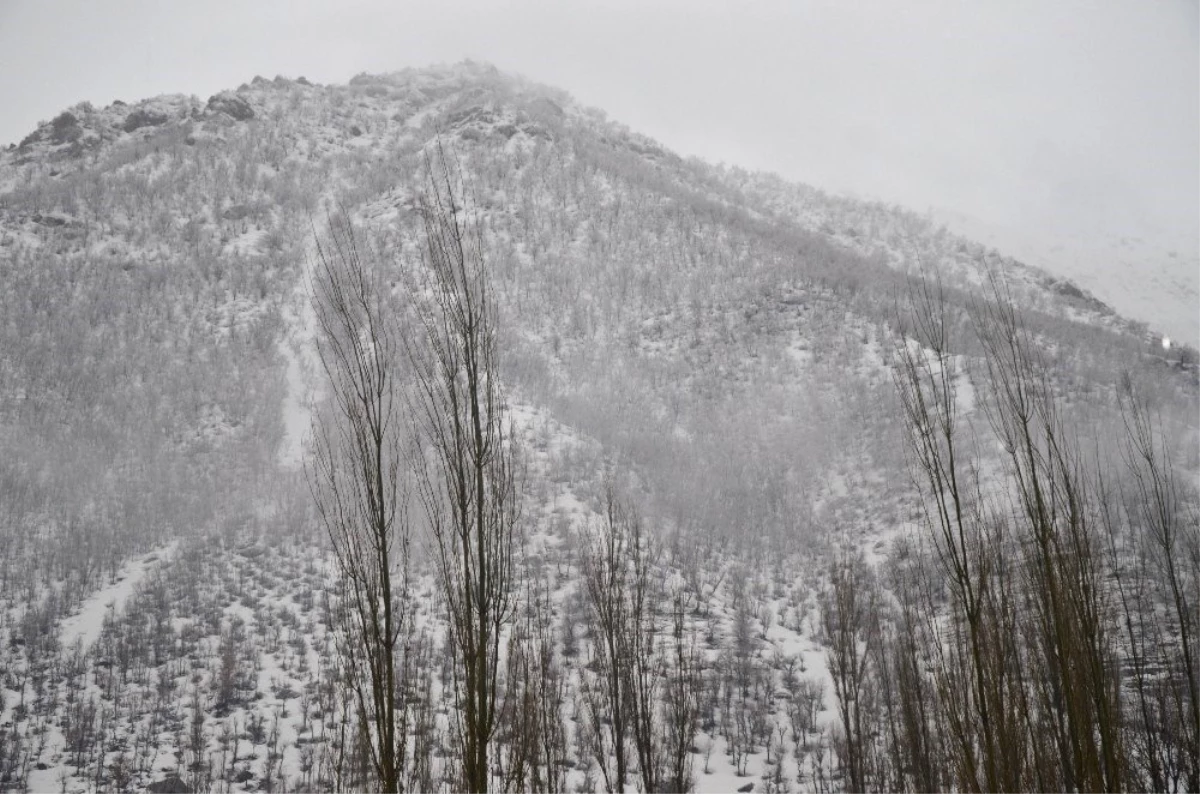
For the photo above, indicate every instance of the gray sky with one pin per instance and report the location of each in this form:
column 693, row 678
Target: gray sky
column 1063, row 116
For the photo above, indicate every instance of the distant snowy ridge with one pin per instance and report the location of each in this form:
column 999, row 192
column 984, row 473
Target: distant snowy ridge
column 1154, row 282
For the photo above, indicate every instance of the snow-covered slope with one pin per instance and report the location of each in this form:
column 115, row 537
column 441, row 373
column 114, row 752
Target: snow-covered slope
column 1153, row 281
column 720, row 339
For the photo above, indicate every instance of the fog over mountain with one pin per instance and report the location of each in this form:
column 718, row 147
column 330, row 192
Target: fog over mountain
column 1063, row 120
column 712, row 427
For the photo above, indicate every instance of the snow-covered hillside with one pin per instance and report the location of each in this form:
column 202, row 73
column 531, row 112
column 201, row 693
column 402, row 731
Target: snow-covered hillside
column 720, row 343
column 1153, row 281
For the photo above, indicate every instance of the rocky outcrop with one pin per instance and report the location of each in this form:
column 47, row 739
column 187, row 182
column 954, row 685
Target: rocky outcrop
column 171, row 784
column 143, row 118
column 231, row 105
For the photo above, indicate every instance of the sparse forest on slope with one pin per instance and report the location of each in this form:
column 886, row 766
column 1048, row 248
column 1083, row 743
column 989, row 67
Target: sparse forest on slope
column 701, row 354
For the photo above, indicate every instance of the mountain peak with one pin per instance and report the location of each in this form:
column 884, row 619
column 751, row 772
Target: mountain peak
column 723, row 344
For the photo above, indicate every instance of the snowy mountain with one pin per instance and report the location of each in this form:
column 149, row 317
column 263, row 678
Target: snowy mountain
column 1153, row 282
column 722, row 339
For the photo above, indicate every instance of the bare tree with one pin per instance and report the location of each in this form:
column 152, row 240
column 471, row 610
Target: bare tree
column 1056, row 526
column 977, row 684
column 681, row 698
column 849, row 620
column 1023, row 653
column 1154, row 555
column 914, row 732
column 467, row 470
column 534, row 737
column 624, row 698
column 357, row 481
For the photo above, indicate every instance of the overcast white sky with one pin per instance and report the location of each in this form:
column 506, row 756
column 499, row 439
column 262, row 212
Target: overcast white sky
column 1064, row 116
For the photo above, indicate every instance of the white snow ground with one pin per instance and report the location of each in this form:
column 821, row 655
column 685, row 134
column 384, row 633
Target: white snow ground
column 298, row 347
column 85, row 625
column 80, row 631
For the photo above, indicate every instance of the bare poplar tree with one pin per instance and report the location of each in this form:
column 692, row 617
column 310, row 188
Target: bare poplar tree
column 604, row 576
column 1027, row 671
column 975, row 675
column 357, row 481
column 623, row 702
column 1157, row 574
column 467, row 469
column 849, row 620
column 532, row 730
column 681, row 698
column 914, row 730
column 1056, row 523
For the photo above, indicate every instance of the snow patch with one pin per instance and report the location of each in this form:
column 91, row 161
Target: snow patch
column 84, row 627
column 298, row 348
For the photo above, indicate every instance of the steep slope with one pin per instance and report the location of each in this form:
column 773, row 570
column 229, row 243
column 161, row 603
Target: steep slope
column 722, row 338
column 727, row 333
column 1150, row 281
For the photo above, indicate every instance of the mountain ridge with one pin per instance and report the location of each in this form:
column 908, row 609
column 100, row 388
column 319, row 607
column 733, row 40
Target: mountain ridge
column 81, row 131
column 700, row 283
column 721, row 345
